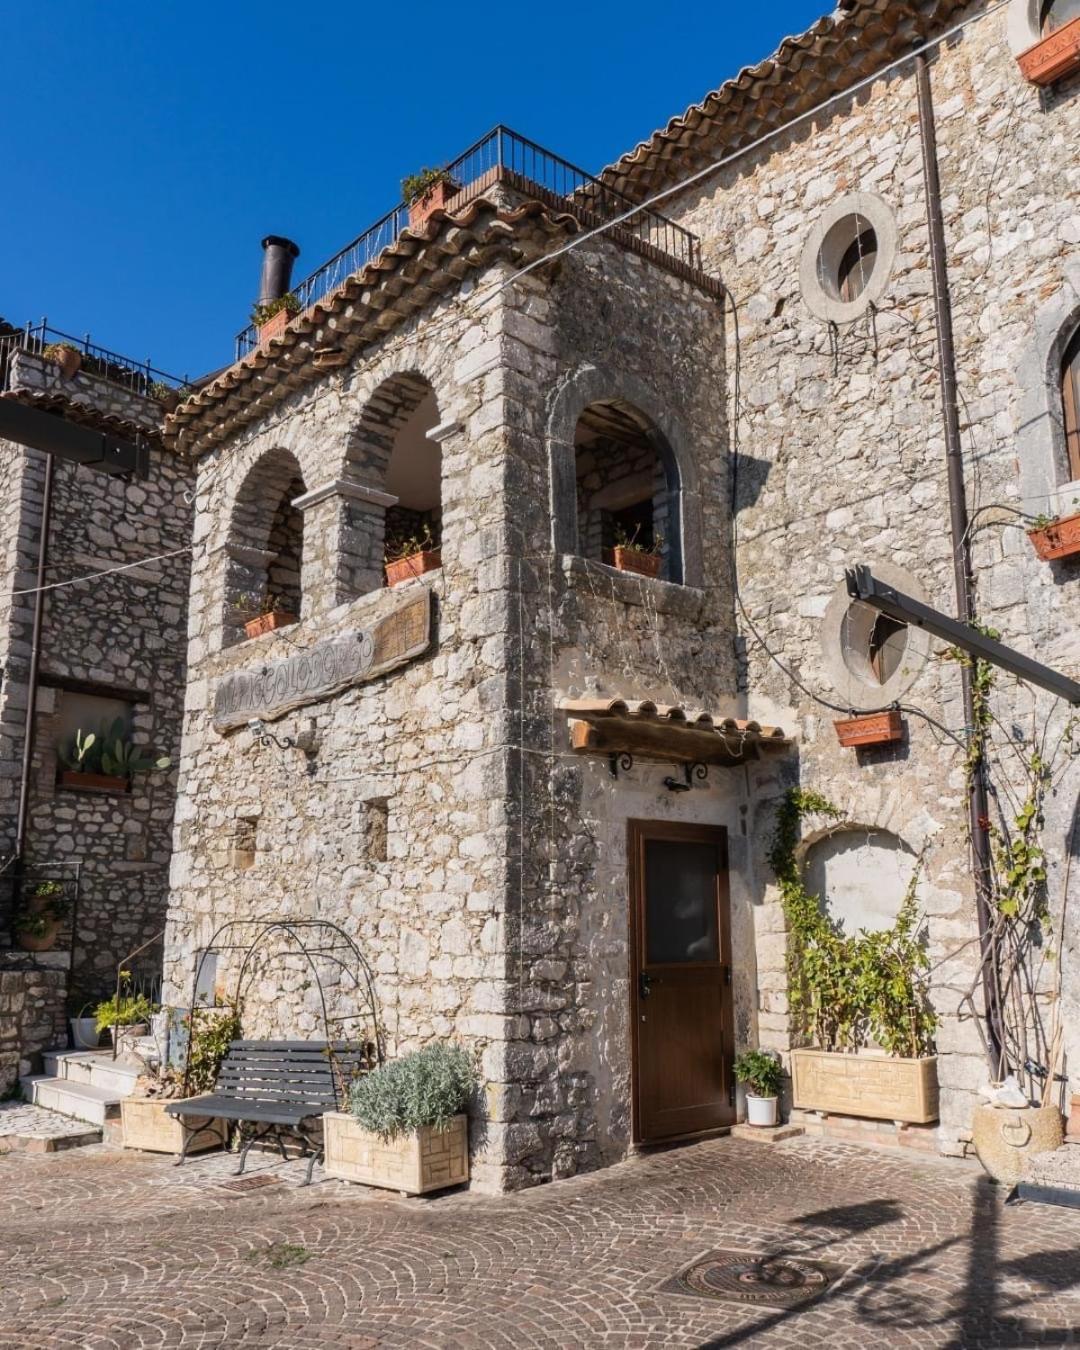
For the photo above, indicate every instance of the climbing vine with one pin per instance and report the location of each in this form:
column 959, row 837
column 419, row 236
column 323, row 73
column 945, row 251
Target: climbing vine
column 849, row 991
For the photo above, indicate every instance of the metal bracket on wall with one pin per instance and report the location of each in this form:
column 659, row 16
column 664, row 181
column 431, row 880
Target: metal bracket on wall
column 692, row 773
column 620, row 759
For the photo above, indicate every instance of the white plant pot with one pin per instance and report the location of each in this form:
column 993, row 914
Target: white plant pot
column 762, row 1110
column 84, row 1033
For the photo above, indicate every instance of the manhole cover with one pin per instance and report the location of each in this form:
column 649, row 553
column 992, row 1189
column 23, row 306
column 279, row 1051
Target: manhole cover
column 743, row 1277
column 251, row 1183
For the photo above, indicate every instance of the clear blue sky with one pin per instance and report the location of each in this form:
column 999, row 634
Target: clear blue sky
column 147, row 147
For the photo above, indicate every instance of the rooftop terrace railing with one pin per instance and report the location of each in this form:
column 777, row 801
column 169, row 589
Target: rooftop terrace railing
column 504, row 156
column 138, row 377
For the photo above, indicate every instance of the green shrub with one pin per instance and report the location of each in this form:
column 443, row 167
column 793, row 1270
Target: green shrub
column 760, row 1072
column 264, row 313
column 417, row 185
column 427, row 1088
column 124, row 1011
column 211, row 1031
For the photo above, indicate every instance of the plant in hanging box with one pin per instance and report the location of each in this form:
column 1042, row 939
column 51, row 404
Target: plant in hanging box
column 272, row 317
column 1054, row 56
column 880, row 728
column 762, row 1074
column 263, row 613
column 406, row 1127
column 863, row 998
column 427, row 191
column 1055, row 537
column 631, row 555
column 412, row 555
column 65, row 355
column 105, row 760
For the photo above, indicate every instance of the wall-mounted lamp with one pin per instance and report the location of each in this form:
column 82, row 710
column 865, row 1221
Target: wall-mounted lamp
column 266, row 737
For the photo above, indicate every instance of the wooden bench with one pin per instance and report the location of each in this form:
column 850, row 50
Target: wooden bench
column 278, row 1088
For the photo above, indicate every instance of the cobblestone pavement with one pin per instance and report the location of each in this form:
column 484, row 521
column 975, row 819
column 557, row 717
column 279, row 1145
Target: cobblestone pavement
column 106, row 1250
column 22, row 1125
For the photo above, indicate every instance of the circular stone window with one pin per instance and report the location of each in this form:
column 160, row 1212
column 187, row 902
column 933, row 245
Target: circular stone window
column 849, row 257
column 871, row 659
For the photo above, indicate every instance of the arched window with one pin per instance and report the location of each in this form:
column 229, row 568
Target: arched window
column 1070, row 403
column 857, row 265
column 266, row 546
column 1057, row 13
column 627, row 491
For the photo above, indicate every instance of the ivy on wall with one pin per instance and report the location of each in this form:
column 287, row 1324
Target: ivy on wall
column 845, row 991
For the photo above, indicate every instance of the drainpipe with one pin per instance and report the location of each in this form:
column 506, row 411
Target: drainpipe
column 978, row 805
column 35, row 660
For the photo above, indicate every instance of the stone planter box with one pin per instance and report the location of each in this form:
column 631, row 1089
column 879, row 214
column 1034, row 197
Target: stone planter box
column 633, row 560
column 414, row 1163
column 93, row 782
column 148, row 1127
column 436, row 198
column 1059, row 539
column 416, row 565
column 875, row 729
column 1056, row 55
column 1006, row 1138
column 881, row 1087
column 266, row 623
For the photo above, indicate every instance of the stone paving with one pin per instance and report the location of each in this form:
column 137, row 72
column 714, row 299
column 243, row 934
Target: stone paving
column 106, row 1250
column 24, row 1126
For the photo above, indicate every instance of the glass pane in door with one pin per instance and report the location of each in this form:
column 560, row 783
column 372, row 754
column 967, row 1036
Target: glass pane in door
column 680, row 902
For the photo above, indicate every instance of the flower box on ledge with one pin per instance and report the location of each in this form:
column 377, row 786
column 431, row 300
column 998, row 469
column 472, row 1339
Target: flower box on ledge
column 420, row 1161
column 882, row 1087
column 274, row 326
column 415, row 565
column 1058, row 539
column 93, row 782
column 266, row 623
column 881, row 728
column 635, row 560
column 1052, row 57
column 434, row 199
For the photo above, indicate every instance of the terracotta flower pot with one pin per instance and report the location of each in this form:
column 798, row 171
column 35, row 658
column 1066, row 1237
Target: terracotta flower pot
column 875, row 729
column 93, row 782
column 434, row 199
column 266, row 623
column 1052, row 57
column 1059, row 539
column 274, row 326
column 415, row 565
column 633, row 560
column 68, row 360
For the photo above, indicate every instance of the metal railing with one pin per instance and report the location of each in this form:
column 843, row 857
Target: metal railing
column 138, row 377
column 504, row 156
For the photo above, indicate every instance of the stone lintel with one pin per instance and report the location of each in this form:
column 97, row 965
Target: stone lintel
column 344, row 487
column 444, row 431
column 250, row 557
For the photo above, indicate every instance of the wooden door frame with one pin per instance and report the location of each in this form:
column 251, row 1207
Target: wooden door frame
column 637, row 832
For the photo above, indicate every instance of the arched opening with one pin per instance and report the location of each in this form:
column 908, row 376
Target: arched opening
column 266, row 546
column 414, row 476
column 627, row 491
column 861, row 875
column 1070, row 404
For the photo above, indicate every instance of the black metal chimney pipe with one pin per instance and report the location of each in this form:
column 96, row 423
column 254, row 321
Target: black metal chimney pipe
column 278, row 257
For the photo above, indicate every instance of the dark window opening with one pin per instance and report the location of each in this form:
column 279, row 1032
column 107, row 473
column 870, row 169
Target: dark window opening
column 888, row 641
column 1070, row 404
column 633, row 524
column 857, row 266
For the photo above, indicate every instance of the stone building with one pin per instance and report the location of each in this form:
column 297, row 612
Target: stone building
column 101, row 650
column 534, row 789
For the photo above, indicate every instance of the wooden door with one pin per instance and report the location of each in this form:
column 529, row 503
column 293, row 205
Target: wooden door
column 683, row 1040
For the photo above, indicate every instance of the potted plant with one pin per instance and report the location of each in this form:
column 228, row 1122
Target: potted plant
column 65, row 355
column 762, row 1075
column 272, row 317
column 630, row 555
column 165, row 394
column 411, row 556
column 126, row 1015
column 84, row 1030
column 37, row 923
column 105, row 760
column 880, row 728
column 262, row 613
column 861, row 999
column 427, row 191
column 1055, row 55
column 1055, row 537
column 405, row 1128
column 146, row 1122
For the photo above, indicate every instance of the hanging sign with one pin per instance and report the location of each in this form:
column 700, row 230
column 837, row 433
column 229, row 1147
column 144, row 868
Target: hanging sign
column 318, row 672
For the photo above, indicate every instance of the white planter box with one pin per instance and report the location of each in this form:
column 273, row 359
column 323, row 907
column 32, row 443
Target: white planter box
column 147, row 1126
column 426, row 1160
column 881, row 1087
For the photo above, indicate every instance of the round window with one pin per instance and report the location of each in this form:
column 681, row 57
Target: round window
column 872, row 644
column 870, row 659
column 847, row 258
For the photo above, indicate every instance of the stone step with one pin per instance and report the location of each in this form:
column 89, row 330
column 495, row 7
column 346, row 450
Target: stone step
column 81, row 1101
column 97, row 1068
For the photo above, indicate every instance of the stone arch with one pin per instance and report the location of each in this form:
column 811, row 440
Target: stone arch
column 860, row 872
column 591, row 385
column 1041, row 449
column 265, row 542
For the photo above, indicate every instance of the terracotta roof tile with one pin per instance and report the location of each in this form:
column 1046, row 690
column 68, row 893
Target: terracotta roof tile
column 665, row 731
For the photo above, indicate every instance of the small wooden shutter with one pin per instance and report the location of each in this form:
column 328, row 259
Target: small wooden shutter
column 1070, row 400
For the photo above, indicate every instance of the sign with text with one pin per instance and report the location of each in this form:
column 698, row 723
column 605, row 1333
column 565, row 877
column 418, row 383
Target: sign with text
column 325, row 669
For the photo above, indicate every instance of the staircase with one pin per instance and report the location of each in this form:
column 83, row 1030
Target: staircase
column 87, row 1085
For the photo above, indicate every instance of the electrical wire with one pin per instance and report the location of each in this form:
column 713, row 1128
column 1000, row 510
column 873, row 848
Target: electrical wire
column 106, row 572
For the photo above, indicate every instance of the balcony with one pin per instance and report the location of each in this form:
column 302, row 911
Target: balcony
column 39, row 340
column 504, row 157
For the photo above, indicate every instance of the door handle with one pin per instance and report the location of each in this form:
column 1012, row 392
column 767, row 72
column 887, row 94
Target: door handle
column 645, row 983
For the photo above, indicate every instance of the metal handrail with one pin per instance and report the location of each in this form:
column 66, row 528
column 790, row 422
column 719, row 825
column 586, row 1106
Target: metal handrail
column 502, row 155
column 137, row 376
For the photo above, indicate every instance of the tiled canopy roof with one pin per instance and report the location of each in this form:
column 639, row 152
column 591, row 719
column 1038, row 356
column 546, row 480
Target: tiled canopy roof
column 834, row 54
column 665, row 731
column 85, row 414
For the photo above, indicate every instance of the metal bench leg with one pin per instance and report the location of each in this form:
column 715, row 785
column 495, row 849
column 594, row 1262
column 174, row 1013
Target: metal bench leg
column 281, row 1145
column 316, row 1157
column 189, row 1135
column 244, row 1152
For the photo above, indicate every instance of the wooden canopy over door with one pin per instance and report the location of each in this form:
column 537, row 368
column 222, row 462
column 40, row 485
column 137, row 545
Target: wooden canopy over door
column 681, row 1005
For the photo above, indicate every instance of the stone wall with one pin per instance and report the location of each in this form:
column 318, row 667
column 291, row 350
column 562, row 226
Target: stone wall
column 31, row 1016
column 840, row 459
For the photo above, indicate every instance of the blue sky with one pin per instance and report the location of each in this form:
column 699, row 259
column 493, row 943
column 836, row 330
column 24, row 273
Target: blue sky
column 148, row 147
